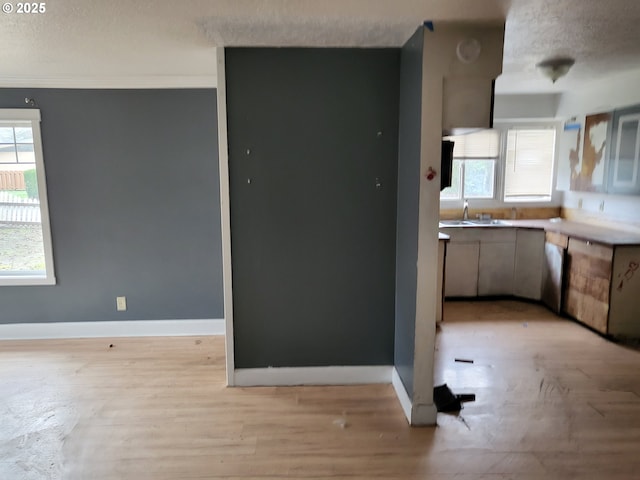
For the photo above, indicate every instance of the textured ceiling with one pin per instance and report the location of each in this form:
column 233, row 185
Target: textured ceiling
column 106, row 42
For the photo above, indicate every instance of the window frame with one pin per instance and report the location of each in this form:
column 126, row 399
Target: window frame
column 498, row 200
column 464, row 160
column 504, row 138
column 32, row 116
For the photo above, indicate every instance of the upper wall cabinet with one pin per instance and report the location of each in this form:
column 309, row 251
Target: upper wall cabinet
column 625, row 152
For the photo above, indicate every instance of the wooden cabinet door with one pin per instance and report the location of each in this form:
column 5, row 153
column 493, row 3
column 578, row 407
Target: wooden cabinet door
column 461, row 269
column 496, row 268
column 624, row 303
column 588, row 282
column 529, row 262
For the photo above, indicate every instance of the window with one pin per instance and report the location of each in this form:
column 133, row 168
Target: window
column 26, row 256
column 529, row 158
column 474, row 165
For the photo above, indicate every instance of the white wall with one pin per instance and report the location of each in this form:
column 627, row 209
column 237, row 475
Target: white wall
column 622, row 211
column 616, row 91
column 523, row 107
column 620, row 90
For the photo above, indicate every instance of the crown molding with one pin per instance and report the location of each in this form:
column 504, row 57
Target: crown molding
column 108, row 82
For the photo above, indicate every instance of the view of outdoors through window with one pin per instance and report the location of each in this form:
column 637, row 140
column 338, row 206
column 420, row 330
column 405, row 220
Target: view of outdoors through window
column 474, row 163
column 21, row 241
column 526, row 164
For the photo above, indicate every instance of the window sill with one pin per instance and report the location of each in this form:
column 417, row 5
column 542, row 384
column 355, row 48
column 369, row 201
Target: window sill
column 25, row 280
column 528, row 200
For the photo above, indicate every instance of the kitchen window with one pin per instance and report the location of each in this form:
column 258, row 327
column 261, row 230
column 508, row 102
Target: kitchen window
column 507, row 164
column 474, row 165
column 26, row 256
column 528, row 173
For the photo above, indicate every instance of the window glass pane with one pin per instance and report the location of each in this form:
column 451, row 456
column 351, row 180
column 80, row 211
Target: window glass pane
column 24, row 135
column 26, row 153
column 628, row 138
column 8, row 153
column 453, row 191
column 6, row 135
column 529, row 163
column 625, row 167
column 25, row 240
column 21, row 248
column 478, row 178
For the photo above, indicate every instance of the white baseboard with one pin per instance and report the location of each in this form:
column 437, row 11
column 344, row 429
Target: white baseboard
column 424, row 415
column 288, row 376
column 124, row 328
column 417, row 414
column 402, row 394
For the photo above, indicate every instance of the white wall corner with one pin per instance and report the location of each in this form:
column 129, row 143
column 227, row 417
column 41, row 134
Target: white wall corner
column 401, row 393
column 115, row 328
column 424, row 415
column 225, row 212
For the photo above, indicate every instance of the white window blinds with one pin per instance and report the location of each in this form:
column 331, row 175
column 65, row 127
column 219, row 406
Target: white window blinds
column 482, row 144
column 529, row 163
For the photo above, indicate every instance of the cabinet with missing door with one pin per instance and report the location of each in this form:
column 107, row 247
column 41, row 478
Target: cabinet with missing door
column 602, row 287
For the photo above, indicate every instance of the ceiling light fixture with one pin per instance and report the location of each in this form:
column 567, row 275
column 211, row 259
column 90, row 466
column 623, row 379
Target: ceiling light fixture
column 554, row 68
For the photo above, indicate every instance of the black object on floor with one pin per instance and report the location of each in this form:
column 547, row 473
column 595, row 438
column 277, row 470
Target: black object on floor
column 445, row 400
column 466, row 397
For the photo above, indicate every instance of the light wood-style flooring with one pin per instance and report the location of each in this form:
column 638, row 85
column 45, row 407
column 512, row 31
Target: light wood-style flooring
column 554, row 401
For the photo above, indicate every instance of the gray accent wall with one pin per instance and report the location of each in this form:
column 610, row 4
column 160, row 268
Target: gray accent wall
column 132, row 178
column 313, row 237
column 408, row 204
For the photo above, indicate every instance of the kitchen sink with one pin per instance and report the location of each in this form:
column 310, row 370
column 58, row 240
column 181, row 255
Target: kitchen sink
column 490, row 221
column 455, row 223
column 471, row 223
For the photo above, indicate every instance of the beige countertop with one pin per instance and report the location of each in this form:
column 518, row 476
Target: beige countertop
column 584, row 231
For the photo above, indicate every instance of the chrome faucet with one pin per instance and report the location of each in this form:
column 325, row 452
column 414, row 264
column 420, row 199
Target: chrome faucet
column 465, row 210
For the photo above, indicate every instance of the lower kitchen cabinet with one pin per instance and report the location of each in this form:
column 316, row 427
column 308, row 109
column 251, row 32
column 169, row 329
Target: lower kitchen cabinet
column 587, row 283
column 602, row 289
column 442, row 253
column 495, row 268
column 497, row 260
column 480, row 261
column 529, row 263
column 461, row 269
column 624, row 299
column 597, row 284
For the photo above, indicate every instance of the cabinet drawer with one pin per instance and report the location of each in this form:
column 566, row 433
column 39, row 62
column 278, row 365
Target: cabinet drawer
column 497, row 234
column 462, row 234
column 557, row 239
column 591, row 249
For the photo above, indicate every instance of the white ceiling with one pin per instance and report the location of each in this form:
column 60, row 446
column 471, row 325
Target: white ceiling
column 171, row 43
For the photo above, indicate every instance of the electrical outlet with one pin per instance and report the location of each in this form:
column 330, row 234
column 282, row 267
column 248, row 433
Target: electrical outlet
column 579, row 203
column 121, row 304
column 602, row 206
